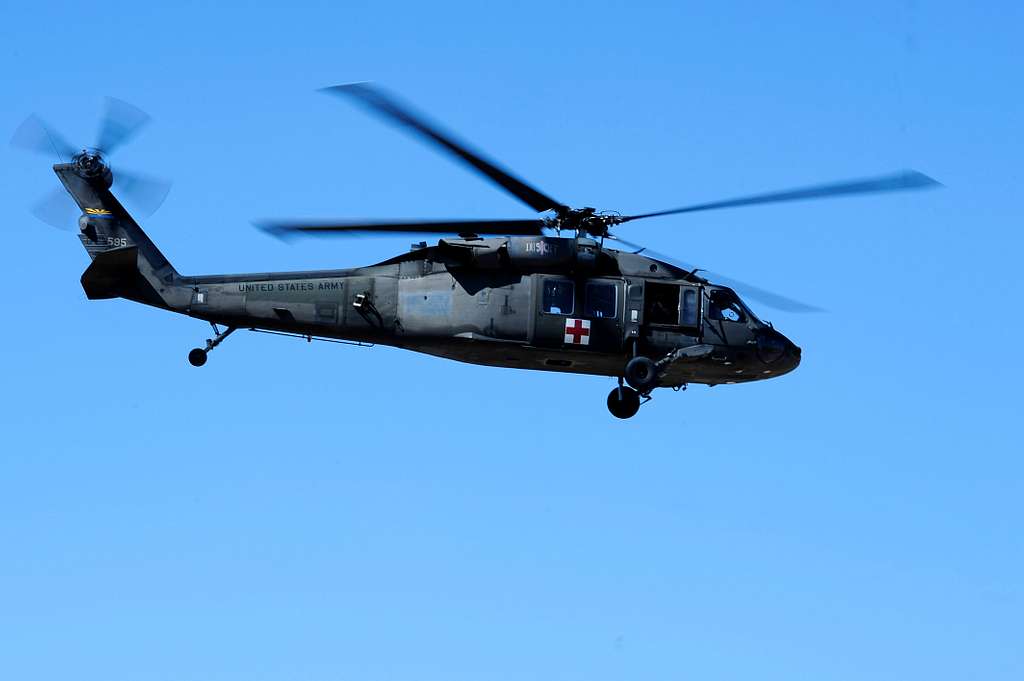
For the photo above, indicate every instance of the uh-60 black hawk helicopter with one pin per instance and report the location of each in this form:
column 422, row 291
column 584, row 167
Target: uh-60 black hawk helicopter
column 524, row 298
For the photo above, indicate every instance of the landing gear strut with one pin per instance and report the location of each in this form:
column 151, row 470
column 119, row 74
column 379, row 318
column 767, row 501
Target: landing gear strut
column 623, row 402
column 197, row 356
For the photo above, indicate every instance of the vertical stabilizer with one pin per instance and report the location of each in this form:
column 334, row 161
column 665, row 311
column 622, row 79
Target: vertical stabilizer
column 126, row 263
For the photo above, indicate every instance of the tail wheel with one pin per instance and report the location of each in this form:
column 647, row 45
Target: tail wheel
column 197, row 357
column 623, row 402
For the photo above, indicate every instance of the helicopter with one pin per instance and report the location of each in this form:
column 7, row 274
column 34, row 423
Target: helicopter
column 549, row 293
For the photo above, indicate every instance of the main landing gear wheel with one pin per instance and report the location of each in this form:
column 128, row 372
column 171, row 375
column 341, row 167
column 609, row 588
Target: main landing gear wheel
column 641, row 374
column 197, row 357
column 623, row 402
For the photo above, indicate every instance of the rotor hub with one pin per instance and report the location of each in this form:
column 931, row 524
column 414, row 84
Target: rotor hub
column 90, row 164
column 584, row 221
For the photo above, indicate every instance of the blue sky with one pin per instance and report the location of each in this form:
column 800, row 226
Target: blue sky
column 324, row 512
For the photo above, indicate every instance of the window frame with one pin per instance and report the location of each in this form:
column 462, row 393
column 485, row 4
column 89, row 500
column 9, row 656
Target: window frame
column 609, row 283
column 734, row 304
column 679, row 304
column 543, row 285
column 698, row 312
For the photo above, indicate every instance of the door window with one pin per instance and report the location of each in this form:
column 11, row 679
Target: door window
column 558, row 296
column 661, row 304
column 688, row 310
column 601, row 300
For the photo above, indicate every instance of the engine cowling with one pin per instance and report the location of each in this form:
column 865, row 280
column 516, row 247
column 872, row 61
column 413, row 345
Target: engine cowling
column 540, row 253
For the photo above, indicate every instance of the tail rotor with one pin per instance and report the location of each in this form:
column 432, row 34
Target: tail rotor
column 120, row 123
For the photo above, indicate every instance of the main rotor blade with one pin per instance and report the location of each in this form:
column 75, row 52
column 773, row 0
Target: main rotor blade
column 35, row 135
column 381, row 103
column 121, row 121
column 502, row 227
column 901, row 181
column 769, row 298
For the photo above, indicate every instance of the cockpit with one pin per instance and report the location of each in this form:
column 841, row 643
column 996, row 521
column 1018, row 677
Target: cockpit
column 735, row 325
column 725, row 305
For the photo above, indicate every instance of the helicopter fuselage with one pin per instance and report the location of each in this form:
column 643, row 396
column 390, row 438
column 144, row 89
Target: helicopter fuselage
column 545, row 303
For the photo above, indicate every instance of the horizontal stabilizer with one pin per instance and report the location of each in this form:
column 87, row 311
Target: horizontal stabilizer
column 109, row 272
column 116, row 274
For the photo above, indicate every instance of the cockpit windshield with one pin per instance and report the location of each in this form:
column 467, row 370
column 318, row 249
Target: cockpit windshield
column 750, row 313
column 726, row 306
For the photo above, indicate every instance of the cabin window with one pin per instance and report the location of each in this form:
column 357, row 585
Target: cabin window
column 558, row 296
column 725, row 307
column 601, row 300
column 661, row 303
column 688, row 312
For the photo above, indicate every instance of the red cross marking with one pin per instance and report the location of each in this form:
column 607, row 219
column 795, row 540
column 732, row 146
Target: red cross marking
column 575, row 328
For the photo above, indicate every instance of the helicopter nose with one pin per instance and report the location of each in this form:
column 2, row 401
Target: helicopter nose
column 776, row 350
column 793, row 355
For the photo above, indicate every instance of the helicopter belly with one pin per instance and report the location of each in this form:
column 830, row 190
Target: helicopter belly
column 518, row 355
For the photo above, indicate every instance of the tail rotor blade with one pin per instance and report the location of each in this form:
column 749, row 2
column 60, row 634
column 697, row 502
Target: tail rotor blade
column 144, row 193
column 35, row 135
column 57, row 209
column 121, row 121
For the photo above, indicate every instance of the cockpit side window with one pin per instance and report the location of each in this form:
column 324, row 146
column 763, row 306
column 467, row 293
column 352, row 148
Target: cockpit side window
column 558, row 296
column 601, row 300
column 725, row 307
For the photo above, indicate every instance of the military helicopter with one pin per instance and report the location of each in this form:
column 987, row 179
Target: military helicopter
column 505, row 293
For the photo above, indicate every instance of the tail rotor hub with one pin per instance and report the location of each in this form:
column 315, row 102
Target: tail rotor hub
column 89, row 163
